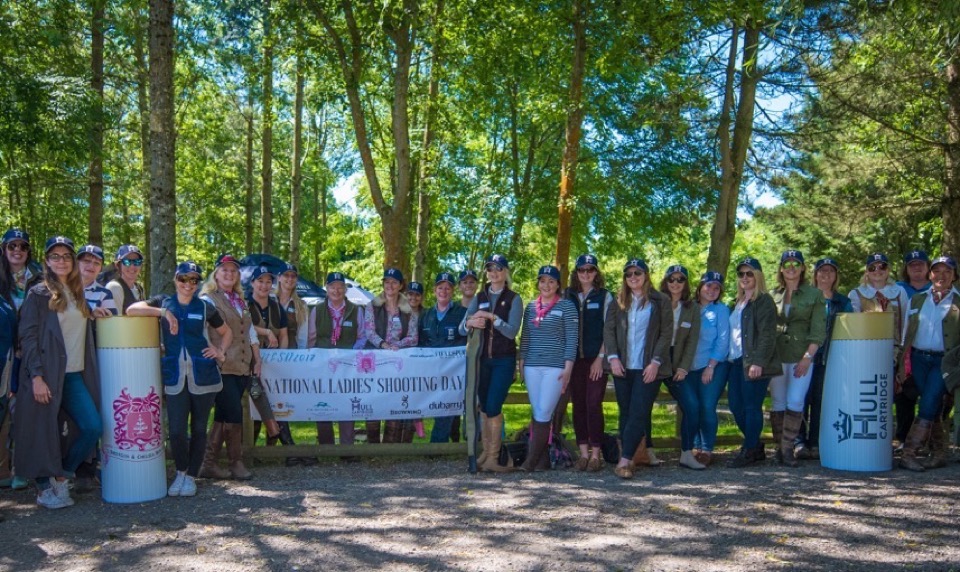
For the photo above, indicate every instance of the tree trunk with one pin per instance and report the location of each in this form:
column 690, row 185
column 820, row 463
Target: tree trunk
column 296, row 171
column 733, row 155
column 248, row 181
column 143, row 106
column 950, row 207
column 163, row 198
column 95, row 174
column 266, row 172
column 571, row 148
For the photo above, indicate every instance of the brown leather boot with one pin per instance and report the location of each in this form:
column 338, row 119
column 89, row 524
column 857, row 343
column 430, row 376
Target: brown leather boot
column 484, row 441
column 791, row 427
column 776, row 425
column 537, row 447
column 918, row 434
column 492, row 462
column 211, row 468
column 234, row 434
column 939, row 447
column 641, row 457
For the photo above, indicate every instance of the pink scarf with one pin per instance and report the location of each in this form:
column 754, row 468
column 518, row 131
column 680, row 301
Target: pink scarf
column 236, row 300
column 542, row 310
column 337, row 316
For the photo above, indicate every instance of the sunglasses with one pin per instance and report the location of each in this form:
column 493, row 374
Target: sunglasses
column 745, row 274
column 877, row 267
column 21, row 246
column 494, row 268
column 632, row 273
column 132, row 262
column 188, row 280
column 586, row 270
column 677, row 280
column 791, row 264
column 59, row 257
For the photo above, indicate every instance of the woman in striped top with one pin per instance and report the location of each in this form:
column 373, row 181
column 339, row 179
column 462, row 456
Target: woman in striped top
column 548, row 346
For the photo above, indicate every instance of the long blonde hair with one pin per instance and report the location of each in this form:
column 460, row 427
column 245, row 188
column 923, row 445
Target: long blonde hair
column 760, row 289
column 506, row 278
column 210, row 285
column 59, row 300
column 299, row 305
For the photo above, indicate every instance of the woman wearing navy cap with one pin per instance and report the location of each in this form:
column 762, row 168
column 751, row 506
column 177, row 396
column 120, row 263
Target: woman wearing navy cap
column 802, row 323
column 637, row 336
column 914, row 279
column 467, row 284
column 878, row 292
column 548, row 348
column 440, row 328
column 294, row 307
column 125, row 288
column 90, row 260
column 686, row 333
column 752, row 357
column 191, row 374
column 222, row 288
column 933, row 330
column 588, row 382
column 415, row 298
column 18, row 270
column 390, row 325
column 54, row 378
column 497, row 311
column 709, row 375
column 826, row 277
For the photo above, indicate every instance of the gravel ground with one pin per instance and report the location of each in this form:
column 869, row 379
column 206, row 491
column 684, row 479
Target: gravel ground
column 432, row 515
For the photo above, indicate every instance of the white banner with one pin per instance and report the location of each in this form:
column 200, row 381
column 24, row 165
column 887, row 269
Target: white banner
column 344, row 385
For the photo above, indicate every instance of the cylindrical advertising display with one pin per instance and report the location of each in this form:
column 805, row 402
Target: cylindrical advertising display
column 856, row 425
column 133, row 463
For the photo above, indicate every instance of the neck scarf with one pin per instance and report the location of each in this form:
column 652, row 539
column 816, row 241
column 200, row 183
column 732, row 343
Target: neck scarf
column 542, row 310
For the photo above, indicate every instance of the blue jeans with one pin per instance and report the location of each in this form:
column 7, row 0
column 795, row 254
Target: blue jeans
column 441, row 429
column 496, row 377
column 746, row 402
column 635, row 400
column 708, row 397
column 79, row 405
column 686, row 395
column 929, row 379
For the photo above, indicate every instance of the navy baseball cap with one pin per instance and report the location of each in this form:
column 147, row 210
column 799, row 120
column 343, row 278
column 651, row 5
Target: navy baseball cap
column 467, row 274
column 59, row 241
column 586, row 260
column 877, row 257
column 126, row 250
column 336, row 277
column 826, row 262
column 711, row 276
column 260, row 271
column 189, row 267
column 16, row 234
column 444, row 277
column 916, row 255
column 226, row 258
column 289, row 268
column 945, row 260
column 91, row 249
column 678, row 268
column 551, row 271
column 751, row 262
column 393, row 273
column 498, row 259
column 415, row 287
column 791, row 255
column 638, row 262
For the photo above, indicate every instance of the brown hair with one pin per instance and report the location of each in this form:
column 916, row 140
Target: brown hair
column 783, row 283
column 684, row 295
column 598, row 281
column 623, row 297
column 700, row 290
column 59, row 298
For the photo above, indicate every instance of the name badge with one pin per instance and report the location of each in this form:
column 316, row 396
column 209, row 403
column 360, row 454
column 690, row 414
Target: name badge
column 348, row 324
column 685, row 325
column 556, row 313
column 593, row 305
column 913, row 311
column 194, row 316
column 396, row 318
column 483, row 305
column 451, row 332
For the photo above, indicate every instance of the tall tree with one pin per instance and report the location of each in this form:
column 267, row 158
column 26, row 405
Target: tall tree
column 163, row 198
column 95, row 174
column 266, row 170
column 296, row 167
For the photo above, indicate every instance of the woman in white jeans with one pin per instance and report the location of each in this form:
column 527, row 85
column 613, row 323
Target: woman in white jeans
column 548, row 348
column 801, row 329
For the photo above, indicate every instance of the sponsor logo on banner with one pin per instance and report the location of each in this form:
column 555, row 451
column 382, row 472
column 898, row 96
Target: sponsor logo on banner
column 870, row 421
column 360, row 409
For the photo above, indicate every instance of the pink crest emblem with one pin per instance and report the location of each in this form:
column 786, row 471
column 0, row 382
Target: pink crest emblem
column 366, row 362
column 137, row 421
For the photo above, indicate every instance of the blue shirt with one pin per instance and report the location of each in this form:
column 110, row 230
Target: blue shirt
column 714, row 342
column 910, row 290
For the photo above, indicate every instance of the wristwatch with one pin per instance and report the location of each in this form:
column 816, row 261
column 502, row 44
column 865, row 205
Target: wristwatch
column 807, row 355
column 497, row 322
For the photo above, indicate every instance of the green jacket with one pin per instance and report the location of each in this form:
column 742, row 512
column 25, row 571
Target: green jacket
column 687, row 335
column 806, row 324
column 759, row 336
column 951, row 323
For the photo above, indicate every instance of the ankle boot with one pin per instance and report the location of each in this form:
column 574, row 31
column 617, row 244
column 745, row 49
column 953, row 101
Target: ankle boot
column 485, row 443
column 536, row 447
column 776, row 424
column 234, row 434
column 641, row 457
column 211, row 468
column 791, row 426
column 688, row 460
column 939, row 445
column 918, row 434
column 492, row 463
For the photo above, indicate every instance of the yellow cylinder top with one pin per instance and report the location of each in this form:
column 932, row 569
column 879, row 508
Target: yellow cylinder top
column 864, row 326
column 127, row 332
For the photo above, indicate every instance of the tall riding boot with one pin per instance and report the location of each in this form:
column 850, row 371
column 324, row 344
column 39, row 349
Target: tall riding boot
column 484, row 440
column 537, row 447
column 776, row 424
column 492, row 462
column 939, row 447
column 791, row 427
column 373, row 432
column 211, row 468
column 234, row 433
column 918, row 434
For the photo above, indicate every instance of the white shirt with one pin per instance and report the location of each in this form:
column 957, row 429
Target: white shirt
column 736, row 331
column 638, row 320
column 929, row 335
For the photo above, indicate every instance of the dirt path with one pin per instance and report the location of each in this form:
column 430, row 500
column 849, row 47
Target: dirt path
column 431, row 515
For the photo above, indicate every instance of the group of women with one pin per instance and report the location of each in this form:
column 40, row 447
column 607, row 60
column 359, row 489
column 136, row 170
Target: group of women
column 570, row 339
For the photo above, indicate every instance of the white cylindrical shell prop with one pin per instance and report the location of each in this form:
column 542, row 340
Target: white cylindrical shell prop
column 856, row 424
column 133, row 464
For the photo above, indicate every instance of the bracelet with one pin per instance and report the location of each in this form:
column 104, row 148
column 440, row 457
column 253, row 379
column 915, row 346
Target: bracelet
column 807, row 355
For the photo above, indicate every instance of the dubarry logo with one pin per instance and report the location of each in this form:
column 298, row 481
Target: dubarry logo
column 137, row 421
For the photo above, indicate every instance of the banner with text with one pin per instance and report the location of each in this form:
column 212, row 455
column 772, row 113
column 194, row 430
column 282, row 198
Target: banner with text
column 344, row 385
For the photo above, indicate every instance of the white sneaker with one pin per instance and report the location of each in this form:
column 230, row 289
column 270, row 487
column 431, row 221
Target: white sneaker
column 176, row 489
column 62, row 490
column 48, row 499
column 689, row 461
column 189, row 488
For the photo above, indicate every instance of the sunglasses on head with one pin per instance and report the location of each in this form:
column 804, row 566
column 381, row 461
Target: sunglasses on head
column 745, row 274
column 791, row 264
column 132, row 262
column 877, row 267
column 632, row 273
column 59, row 257
column 677, row 279
column 21, row 246
column 188, row 280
